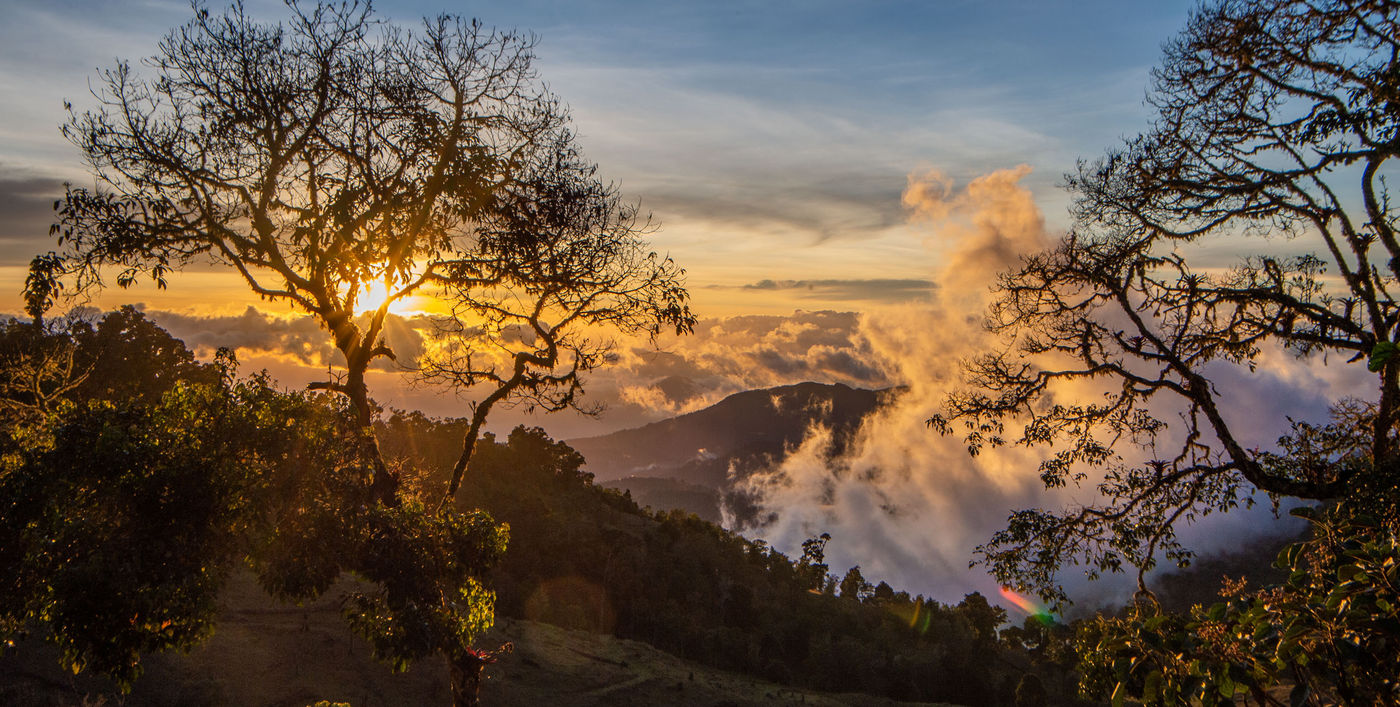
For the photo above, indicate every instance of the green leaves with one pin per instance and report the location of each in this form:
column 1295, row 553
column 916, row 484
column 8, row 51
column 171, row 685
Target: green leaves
column 1330, row 629
column 425, row 565
column 1381, row 354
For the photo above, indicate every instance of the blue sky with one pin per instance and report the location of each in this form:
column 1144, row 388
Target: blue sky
column 771, row 139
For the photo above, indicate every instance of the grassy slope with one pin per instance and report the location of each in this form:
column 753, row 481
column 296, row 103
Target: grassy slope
column 266, row 653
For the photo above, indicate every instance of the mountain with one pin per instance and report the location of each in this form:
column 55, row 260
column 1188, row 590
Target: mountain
column 693, row 461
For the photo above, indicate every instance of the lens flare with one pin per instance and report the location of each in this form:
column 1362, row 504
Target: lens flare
column 1030, row 606
column 921, row 618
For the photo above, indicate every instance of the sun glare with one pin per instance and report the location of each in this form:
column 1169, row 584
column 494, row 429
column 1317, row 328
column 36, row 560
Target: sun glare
column 372, row 296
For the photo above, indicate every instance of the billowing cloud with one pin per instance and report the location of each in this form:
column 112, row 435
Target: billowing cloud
column 909, row 505
column 903, row 502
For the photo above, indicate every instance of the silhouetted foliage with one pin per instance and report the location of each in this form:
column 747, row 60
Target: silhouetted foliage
column 812, row 564
column 1267, row 112
column 125, row 507
column 335, row 154
column 1200, row 583
column 1030, row 692
column 1274, row 119
column 125, row 356
column 984, row 617
column 854, row 587
column 1328, row 630
column 121, row 517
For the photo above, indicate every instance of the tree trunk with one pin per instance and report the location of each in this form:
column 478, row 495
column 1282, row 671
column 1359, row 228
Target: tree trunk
column 384, row 485
column 465, row 674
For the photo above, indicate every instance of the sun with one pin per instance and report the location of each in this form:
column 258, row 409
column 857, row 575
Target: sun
column 372, row 296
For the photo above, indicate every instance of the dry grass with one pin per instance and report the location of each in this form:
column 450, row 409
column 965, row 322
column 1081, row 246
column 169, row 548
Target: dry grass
column 271, row 654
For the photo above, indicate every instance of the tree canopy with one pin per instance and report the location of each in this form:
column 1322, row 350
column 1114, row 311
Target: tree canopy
column 1275, row 127
column 337, row 154
column 1275, row 120
column 339, row 164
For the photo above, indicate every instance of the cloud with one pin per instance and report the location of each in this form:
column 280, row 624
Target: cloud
column 904, row 503
column 731, row 354
column 297, row 340
column 813, row 208
column 872, row 290
column 721, row 148
column 644, row 383
column 26, row 212
column 909, row 505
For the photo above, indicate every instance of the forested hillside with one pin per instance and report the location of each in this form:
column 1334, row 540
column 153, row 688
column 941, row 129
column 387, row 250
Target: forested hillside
column 583, row 556
column 182, row 462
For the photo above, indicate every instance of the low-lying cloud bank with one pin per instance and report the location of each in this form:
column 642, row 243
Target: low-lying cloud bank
column 904, row 502
column 909, row 505
column 644, row 382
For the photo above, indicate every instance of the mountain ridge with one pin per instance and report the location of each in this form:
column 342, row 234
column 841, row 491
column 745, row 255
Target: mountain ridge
column 695, row 461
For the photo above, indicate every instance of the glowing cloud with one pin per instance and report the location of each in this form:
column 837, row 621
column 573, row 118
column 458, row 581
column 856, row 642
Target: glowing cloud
column 904, row 502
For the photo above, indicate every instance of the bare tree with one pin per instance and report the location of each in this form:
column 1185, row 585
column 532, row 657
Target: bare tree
column 1275, row 120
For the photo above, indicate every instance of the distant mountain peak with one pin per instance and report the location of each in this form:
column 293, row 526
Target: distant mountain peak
column 715, row 446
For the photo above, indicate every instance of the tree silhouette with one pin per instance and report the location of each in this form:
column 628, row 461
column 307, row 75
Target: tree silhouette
column 1274, row 120
column 566, row 269
column 334, row 156
column 854, row 587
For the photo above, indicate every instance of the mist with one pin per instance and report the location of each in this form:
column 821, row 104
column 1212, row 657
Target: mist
column 905, row 503
column 909, row 505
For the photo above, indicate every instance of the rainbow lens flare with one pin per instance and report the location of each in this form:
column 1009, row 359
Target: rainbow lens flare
column 1030, row 606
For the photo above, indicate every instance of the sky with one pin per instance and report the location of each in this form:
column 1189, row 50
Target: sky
column 841, row 181
column 772, row 142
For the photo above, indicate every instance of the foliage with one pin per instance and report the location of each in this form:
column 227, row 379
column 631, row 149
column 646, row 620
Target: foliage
column 1030, row 692
column 124, row 512
column 332, row 155
column 1329, row 630
column 125, row 356
column 336, row 154
column 984, row 617
column 412, row 553
column 813, row 561
column 121, row 519
column 585, row 557
column 1274, row 119
column 854, row 587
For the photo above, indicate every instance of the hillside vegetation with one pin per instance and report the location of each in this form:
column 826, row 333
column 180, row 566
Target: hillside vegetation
column 579, row 557
column 586, row 557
